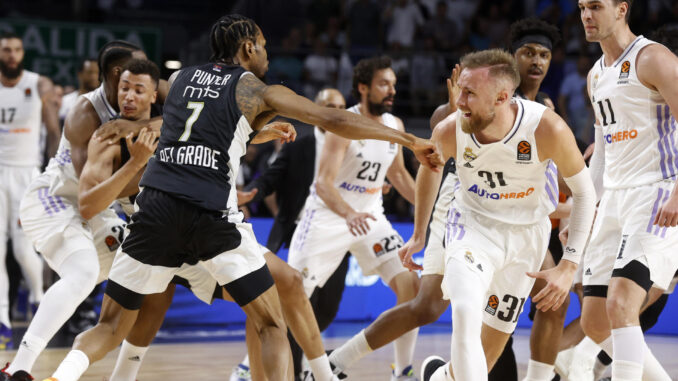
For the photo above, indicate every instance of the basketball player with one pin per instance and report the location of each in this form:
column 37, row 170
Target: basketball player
column 25, row 103
column 498, row 227
column 531, row 42
column 88, row 80
column 80, row 251
column 346, row 194
column 187, row 211
column 633, row 89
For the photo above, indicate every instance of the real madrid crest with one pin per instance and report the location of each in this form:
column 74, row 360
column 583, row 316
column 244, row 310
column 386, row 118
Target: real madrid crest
column 469, row 156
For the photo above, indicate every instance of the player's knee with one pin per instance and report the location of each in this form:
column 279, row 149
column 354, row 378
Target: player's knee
column 595, row 328
column 290, row 282
column 426, row 311
column 618, row 309
column 466, row 316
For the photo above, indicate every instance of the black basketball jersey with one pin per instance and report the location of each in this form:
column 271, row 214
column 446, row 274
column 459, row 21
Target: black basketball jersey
column 204, row 135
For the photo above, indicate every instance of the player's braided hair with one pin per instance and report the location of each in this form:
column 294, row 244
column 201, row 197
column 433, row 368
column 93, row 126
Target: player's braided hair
column 228, row 33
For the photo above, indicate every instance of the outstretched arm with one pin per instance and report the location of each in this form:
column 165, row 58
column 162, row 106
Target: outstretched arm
column 254, row 97
column 427, row 184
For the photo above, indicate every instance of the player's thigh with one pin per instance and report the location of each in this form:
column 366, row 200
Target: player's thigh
column 510, row 287
column 318, row 248
column 494, row 342
column 377, row 251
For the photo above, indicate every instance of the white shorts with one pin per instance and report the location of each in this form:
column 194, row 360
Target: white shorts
column 623, row 232
column 322, row 238
column 500, row 254
column 56, row 228
column 434, row 255
column 13, row 184
column 202, row 277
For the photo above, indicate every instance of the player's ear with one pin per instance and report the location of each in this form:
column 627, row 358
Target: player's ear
column 248, row 48
column 502, row 97
column 363, row 88
column 154, row 97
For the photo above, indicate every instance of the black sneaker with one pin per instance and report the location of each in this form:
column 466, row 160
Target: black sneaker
column 336, row 370
column 430, row 365
column 21, row 376
column 4, row 376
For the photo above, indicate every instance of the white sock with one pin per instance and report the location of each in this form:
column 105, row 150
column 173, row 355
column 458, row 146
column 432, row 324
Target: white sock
column 246, row 361
column 320, row 366
column 403, row 348
column 606, row 345
column 79, row 274
column 352, row 350
column 629, row 353
column 652, row 369
column 128, row 363
column 626, row 371
column 539, row 371
column 442, row 374
column 587, row 348
column 73, row 366
column 29, row 350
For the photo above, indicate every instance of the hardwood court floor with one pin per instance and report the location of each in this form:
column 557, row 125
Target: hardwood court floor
column 214, row 361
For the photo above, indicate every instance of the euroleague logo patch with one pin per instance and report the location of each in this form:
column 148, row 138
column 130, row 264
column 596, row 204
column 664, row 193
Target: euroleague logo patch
column 524, row 151
column 625, row 70
column 492, row 304
column 378, row 249
column 112, row 243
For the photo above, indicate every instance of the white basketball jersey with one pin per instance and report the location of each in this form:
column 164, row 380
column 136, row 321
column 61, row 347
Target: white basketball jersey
column 638, row 130
column 63, row 180
column 361, row 176
column 505, row 180
column 20, row 122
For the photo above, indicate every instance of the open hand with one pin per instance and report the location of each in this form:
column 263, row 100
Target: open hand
column 405, row 253
column 667, row 216
column 357, row 223
column 117, row 129
column 144, row 147
column 453, row 89
column 276, row 130
column 246, row 196
column 558, row 283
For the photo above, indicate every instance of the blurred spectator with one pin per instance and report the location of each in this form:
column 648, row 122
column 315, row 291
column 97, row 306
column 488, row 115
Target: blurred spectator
column 320, row 70
column 496, row 27
column 404, row 18
column 285, row 67
column 88, row 80
column 478, row 37
column 345, row 75
column 319, row 12
column 333, row 36
column 445, row 32
column 364, row 27
column 573, row 101
column 425, row 79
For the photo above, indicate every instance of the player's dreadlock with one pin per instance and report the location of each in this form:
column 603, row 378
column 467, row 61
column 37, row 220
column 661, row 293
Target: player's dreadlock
column 228, row 33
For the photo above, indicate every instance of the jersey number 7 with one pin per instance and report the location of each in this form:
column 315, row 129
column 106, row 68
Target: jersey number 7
column 197, row 109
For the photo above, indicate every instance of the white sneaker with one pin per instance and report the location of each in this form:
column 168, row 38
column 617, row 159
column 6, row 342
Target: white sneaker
column 563, row 363
column 241, row 373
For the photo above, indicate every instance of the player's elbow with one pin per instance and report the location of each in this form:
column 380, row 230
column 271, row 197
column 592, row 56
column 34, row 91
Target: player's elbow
column 87, row 210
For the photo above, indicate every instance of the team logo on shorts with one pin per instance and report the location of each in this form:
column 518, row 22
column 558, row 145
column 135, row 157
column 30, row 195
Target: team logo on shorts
column 492, row 304
column 112, row 243
column 625, row 70
column 524, row 151
column 622, row 246
column 469, row 156
column 588, row 272
column 469, row 257
column 378, row 249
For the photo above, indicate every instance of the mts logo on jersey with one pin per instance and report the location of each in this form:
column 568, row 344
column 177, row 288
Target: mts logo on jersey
column 499, row 196
column 621, row 136
column 203, row 81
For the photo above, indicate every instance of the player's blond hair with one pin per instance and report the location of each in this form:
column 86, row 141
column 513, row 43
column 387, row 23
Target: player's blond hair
column 500, row 62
